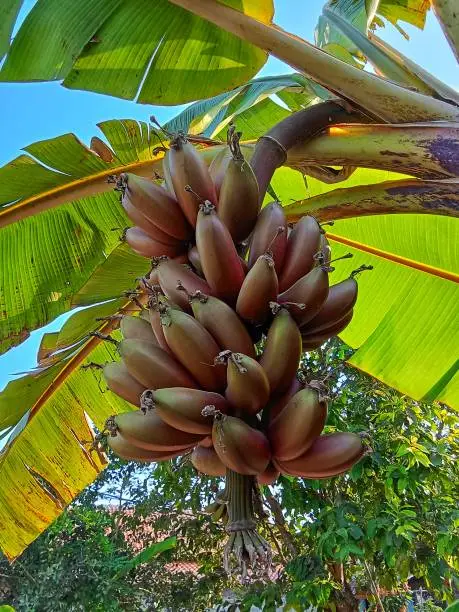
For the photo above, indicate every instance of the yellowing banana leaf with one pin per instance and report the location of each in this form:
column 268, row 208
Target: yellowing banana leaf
column 405, row 322
column 47, row 259
column 446, row 13
column 442, row 89
column 48, row 460
column 382, row 99
column 150, row 51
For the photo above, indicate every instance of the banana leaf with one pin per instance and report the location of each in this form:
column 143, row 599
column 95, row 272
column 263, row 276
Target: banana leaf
column 152, row 52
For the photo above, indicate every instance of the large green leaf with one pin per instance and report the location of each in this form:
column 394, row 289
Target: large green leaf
column 408, row 305
column 49, row 461
column 47, row 259
column 147, row 50
column 10, row 10
column 446, row 12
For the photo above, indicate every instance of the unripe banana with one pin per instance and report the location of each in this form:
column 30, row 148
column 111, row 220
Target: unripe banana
column 146, row 225
column 156, row 204
column 152, row 366
column 182, row 408
column 260, row 287
column 282, row 352
column 206, row 461
column 144, row 245
column 240, row 447
column 270, row 233
column 314, row 340
column 303, row 243
column 294, row 430
column 126, row 450
column 122, row 383
column 222, row 323
column 247, row 383
column 330, row 455
column 194, row 348
column 148, row 430
column 307, row 296
column 219, row 258
column 238, row 201
column 269, row 476
column 170, row 274
column 134, row 328
column 188, row 168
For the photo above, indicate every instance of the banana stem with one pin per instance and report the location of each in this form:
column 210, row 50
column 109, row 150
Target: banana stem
column 245, row 547
column 271, row 150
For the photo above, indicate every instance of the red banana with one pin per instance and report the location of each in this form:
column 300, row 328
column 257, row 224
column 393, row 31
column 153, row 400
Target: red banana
column 195, row 261
column 137, row 327
column 330, row 455
column 182, row 408
column 340, row 300
column 294, row 430
column 218, row 255
column 218, row 166
column 278, row 401
column 171, row 273
column 247, row 384
column 282, row 352
column 126, row 450
column 240, row 447
column 269, row 476
column 260, row 287
column 122, row 383
column 238, row 200
column 151, row 432
column 303, row 243
column 146, row 246
column 140, row 220
column 206, row 461
column 314, row 340
column 157, row 303
column 156, row 204
column 307, row 296
column 180, row 259
column 270, row 233
column 194, row 347
column 188, row 169
column 152, row 366
column 222, row 323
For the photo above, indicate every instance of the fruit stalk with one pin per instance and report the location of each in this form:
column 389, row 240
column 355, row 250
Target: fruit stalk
column 245, row 547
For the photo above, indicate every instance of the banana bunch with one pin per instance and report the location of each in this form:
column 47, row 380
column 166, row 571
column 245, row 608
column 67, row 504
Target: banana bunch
column 224, row 275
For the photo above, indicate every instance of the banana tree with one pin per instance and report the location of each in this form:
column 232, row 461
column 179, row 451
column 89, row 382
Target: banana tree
column 391, row 148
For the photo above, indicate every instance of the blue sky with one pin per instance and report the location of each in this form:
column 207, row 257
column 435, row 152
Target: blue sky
column 38, row 111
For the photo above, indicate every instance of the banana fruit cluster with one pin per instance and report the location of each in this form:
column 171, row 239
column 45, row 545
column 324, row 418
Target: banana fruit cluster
column 224, row 276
